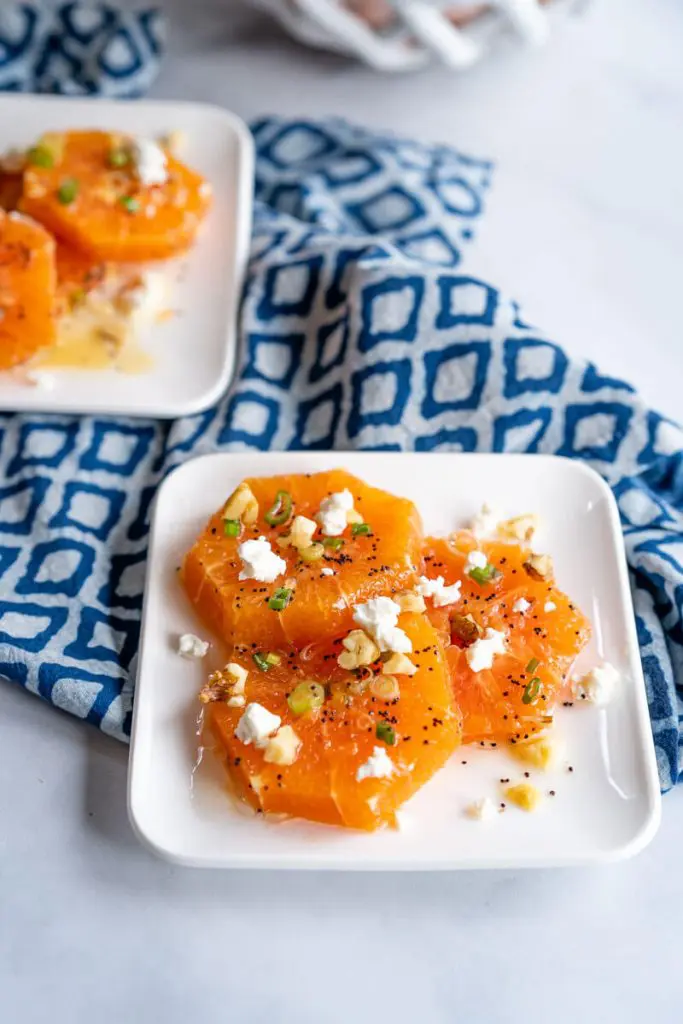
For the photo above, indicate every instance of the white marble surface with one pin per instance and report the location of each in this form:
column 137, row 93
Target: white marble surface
column 586, row 229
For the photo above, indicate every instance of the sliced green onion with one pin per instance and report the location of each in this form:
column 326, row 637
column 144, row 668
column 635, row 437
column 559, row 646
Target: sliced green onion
column 261, row 661
column 361, row 530
column 281, row 509
column 533, row 665
column 280, row 599
column 485, row 575
column 531, row 690
column 385, row 733
column 130, row 203
column 333, row 542
column 306, row 696
column 40, row 156
column 67, row 191
column 272, row 658
column 118, row 158
column 231, row 527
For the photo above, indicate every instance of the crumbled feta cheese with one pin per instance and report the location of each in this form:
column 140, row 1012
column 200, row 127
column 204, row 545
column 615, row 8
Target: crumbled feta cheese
column 150, row 162
column 481, row 810
column 598, row 685
column 549, row 606
column 259, row 561
column 333, row 513
column 476, row 560
column 438, row 591
column 190, row 646
column 256, row 725
column 521, row 605
column 237, row 701
column 481, row 653
column 379, row 618
column 339, row 604
column 284, row 747
column 378, row 766
column 326, row 571
column 485, row 523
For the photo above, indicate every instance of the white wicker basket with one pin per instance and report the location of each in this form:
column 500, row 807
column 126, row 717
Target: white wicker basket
column 456, row 32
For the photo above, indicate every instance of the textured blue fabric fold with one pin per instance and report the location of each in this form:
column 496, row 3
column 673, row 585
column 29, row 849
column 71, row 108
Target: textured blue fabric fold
column 79, row 49
column 360, row 328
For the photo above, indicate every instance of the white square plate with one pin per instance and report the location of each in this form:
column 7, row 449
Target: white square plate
column 607, row 808
column 193, row 352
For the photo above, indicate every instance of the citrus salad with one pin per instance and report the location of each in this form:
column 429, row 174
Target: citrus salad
column 361, row 654
column 82, row 213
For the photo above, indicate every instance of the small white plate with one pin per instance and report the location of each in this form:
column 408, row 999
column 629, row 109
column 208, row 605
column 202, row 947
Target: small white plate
column 193, row 352
column 606, row 808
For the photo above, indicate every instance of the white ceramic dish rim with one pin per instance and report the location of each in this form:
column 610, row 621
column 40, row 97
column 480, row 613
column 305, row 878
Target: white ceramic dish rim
column 316, row 861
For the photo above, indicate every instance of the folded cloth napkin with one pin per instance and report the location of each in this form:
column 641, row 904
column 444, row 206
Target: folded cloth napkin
column 78, row 49
column 359, row 329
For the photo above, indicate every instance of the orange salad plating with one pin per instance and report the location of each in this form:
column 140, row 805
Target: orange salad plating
column 83, row 213
column 359, row 655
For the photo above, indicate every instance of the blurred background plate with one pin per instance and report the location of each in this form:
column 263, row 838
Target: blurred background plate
column 193, row 351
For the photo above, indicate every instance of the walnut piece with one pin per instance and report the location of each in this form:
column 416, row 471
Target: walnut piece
column 360, row 649
column 539, row 567
column 242, row 504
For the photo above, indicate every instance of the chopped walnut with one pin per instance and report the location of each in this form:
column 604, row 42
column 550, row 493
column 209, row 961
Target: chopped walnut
column 409, row 602
column 539, row 567
column 283, row 748
column 360, row 650
column 225, row 684
column 242, row 504
column 13, row 161
column 521, row 528
column 174, row 141
column 399, row 664
column 464, row 629
column 217, row 687
column 300, row 534
column 523, row 795
column 237, row 675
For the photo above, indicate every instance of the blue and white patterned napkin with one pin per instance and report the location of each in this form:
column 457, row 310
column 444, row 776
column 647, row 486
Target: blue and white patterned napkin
column 79, row 49
column 360, row 329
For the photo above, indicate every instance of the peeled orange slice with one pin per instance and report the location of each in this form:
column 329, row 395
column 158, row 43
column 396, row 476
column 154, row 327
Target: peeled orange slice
column 505, row 703
column 322, row 591
column 411, row 720
column 83, row 187
column 27, row 289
